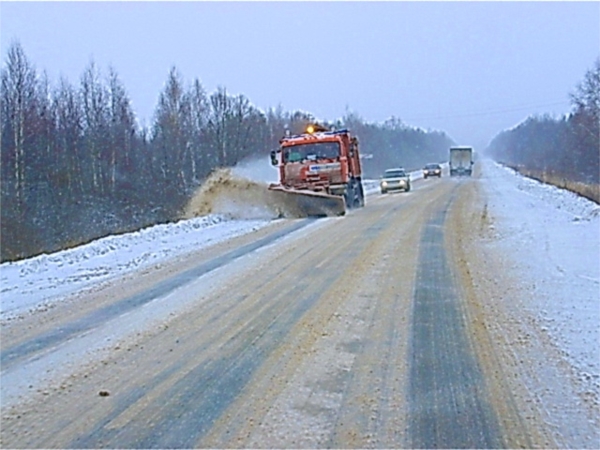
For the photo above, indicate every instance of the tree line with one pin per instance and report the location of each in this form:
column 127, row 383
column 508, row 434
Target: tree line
column 565, row 148
column 76, row 165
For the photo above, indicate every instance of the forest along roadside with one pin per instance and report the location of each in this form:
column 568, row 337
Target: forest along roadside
column 533, row 387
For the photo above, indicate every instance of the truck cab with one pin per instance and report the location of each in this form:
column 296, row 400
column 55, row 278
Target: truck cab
column 320, row 161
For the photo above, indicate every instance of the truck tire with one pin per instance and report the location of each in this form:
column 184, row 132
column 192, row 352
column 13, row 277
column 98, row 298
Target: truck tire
column 361, row 195
column 354, row 196
column 349, row 195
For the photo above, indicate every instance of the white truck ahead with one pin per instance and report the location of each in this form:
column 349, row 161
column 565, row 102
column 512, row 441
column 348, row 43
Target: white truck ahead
column 461, row 161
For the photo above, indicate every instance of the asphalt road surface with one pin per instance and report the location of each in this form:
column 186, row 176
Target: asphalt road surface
column 366, row 331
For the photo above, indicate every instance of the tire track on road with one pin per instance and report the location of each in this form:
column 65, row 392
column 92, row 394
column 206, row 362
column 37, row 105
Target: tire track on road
column 448, row 402
column 373, row 412
column 198, row 394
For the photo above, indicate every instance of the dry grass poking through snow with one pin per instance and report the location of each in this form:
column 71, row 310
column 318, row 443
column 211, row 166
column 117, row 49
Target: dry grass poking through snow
column 587, row 190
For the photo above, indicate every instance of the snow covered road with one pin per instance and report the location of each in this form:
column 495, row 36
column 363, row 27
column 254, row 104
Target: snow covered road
column 295, row 348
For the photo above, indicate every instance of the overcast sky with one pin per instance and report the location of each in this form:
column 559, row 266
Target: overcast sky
column 470, row 69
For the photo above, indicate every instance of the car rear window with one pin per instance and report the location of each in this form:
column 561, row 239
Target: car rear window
column 394, row 174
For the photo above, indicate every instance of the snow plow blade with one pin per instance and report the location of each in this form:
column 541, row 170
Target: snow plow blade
column 308, row 203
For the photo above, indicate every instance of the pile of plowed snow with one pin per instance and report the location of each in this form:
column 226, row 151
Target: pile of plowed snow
column 236, row 197
column 224, row 193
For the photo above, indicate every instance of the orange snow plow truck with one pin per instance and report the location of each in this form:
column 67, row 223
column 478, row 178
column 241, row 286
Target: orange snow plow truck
column 319, row 171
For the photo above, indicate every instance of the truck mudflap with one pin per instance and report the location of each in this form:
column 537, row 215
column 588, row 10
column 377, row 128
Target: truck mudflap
column 306, row 203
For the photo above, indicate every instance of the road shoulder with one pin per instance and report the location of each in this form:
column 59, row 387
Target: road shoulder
column 530, row 382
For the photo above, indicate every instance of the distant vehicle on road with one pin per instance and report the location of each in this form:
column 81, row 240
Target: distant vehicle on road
column 432, row 170
column 395, row 180
column 461, row 161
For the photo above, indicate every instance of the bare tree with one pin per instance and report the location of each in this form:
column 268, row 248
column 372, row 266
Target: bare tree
column 241, row 130
column 122, row 128
column 172, row 133
column 96, row 118
column 586, row 97
column 200, row 110
column 19, row 84
column 69, row 135
column 277, row 124
column 585, row 124
column 220, row 112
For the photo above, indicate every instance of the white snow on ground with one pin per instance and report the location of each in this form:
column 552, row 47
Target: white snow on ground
column 554, row 235
column 31, row 283
column 34, row 283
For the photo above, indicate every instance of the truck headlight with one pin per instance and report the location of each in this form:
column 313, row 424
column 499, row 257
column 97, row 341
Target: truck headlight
column 383, row 183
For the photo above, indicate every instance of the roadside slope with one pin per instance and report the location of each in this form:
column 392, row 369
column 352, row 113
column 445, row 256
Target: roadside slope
column 535, row 330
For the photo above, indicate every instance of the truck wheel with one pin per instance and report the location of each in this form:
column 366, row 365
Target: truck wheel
column 353, row 196
column 347, row 198
column 361, row 195
column 350, row 195
column 357, row 201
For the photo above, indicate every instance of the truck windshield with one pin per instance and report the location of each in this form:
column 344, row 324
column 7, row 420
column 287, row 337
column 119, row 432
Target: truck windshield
column 311, row 152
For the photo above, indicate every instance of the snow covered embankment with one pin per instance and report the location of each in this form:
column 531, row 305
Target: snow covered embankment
column 554, row 235
column 33, row 283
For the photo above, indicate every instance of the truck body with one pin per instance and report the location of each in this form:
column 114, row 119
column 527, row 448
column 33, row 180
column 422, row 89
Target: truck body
column 461, row 161
column 321, row 171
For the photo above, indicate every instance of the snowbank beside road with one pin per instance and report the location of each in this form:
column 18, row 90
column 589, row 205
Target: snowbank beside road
column 553, row 236
column 33, row 283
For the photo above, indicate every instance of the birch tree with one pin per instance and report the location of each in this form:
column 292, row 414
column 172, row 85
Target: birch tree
column 172, row 136
column 201, row 158
column 122, row 129
column 220, row 112
column 69, row 135
column 95, row 120
column 19, row 83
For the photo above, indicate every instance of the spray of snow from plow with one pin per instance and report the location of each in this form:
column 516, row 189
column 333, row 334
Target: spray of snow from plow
column 241, row 193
